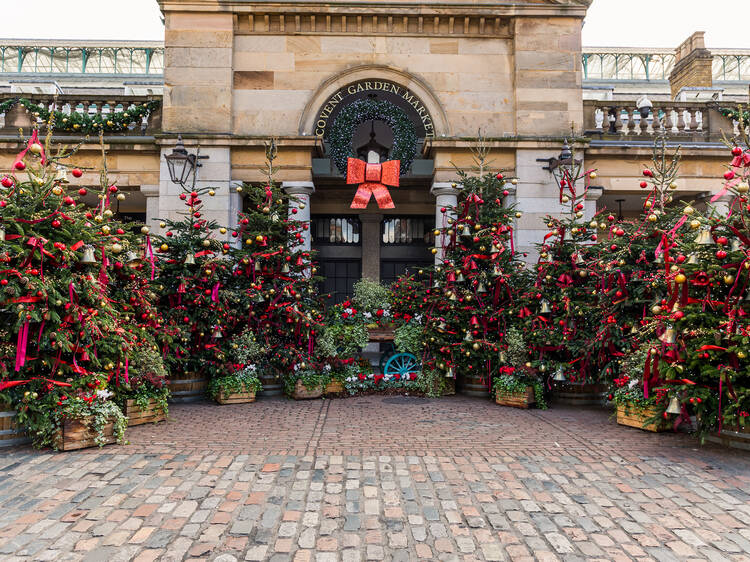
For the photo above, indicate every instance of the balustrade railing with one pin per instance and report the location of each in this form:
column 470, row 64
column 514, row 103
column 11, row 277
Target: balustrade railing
column 626, row 119
column 121, row 115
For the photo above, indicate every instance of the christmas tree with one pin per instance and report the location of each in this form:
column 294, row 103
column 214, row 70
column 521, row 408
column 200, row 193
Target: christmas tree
column 274, row 277
column 471, row 294
column 193, row 286
column 66, row 337
column 558, row 322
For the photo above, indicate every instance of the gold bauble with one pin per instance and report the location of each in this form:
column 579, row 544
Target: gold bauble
column 648, row 204
column 742, row 187
column 266, row 210
column 107, row 213
column 36, row 148
column 433, row 251
column 161, row 225
column 57, row 190
column 583, row 273
column 593, row 224
column 514, row 181
column 592, row 175
column 602, row 225
column 206, row 243
column 116, row 248
column 528, row 364
column 475, row 347
column 741, row 354
column 728, row 279
column 211, row 192
column 105, row 229
column 652, row 218
column 579, row 214
column 98, row 218
column 680, row 278
column 519, row 215
column 121, row 197
column 673, row 185
column 565, row 198
column 223, row 230
column 694, row 224
column 249, row 241
column 477, row 226
column 436, row 232
column 164, row 247
column 688, row 210
column 673, row 268
column 239, row 189
column 656, row 309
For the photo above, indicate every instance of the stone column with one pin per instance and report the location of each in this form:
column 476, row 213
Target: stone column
column 299, row 207
column 151, row 193
column 215, row 172
column 446, row 196
column 371, row 245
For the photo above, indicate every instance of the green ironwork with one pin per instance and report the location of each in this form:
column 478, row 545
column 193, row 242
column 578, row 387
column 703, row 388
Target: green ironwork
column 122, row 58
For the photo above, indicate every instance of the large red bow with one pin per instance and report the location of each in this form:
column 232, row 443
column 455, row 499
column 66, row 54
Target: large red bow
column 373, row 180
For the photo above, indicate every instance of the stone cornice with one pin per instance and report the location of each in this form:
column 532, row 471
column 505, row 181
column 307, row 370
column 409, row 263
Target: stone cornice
column 480, row 8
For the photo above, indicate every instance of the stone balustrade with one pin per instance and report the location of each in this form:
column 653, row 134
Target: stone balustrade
column 92, row 105
column 624, row 119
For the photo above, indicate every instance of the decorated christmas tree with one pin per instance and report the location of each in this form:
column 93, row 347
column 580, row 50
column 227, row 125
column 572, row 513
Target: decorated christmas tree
column 697, row 361
column 192, row 282
column 67, row 339
column 558, row 322
column 274, row 277
column 470, row 296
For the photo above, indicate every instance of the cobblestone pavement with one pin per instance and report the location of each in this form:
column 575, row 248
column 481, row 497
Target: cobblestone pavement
column 378, row 478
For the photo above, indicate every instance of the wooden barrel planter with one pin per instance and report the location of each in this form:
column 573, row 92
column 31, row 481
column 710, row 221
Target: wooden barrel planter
column 301, row 392
column 579, row 394
column 472, row 385
column 138, row 416
column 524, row 399
column 188, row 387
column 76, row 434
column 236, row 398
column 10, row 433
column 636, row 417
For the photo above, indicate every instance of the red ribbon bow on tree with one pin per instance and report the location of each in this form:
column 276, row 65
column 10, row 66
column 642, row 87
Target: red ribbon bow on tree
column 374, row 179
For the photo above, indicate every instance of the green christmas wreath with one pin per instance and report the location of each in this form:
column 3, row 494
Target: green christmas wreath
column 342, row 131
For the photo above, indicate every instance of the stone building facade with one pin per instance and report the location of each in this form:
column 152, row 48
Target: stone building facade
column 232, row 74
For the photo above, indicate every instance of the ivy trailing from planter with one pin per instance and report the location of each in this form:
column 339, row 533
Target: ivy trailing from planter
column 342, row 132
column 76, row 122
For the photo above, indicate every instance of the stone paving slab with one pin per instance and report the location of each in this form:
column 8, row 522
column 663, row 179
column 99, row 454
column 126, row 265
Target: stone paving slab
column 378, row 479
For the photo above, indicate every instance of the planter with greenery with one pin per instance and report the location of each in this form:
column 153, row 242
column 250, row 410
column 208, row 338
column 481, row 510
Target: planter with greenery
column 512, row 388
column 143, row 396
column 237, row 388
column 307, row 380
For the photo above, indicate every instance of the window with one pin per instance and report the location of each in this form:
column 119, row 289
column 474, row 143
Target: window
column 408, row 230
column 336, row 230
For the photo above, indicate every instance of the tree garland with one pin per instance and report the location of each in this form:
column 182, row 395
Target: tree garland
column 342, row 132
column 76, row 122
column 734, row 114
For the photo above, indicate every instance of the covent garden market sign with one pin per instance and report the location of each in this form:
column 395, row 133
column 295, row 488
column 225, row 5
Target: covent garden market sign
column 380, row 90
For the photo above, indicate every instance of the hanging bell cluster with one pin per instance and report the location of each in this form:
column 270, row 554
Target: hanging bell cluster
column 88, row 254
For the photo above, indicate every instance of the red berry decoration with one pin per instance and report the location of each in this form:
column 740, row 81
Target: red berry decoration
column 77, row 173
column 7, row 181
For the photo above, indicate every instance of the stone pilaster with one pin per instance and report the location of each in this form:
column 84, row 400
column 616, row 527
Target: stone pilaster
column 151, row 193
column 299, row 207
column 371, row 245
column 446, row 196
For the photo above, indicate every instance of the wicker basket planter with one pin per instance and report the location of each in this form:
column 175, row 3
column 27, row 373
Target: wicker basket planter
column 77, row 434
column 236, row 397
column 10, row 433
column 524, row 399
column 301, row 392
column 633, row 416
column 334, row 387
column 137, row 415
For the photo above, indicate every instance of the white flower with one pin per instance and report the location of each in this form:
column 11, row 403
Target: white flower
column 633, row 383
column 367, row 315
column 103, row 394
column 348, row 310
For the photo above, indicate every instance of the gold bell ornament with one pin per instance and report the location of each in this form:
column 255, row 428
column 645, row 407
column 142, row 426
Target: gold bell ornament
column 466, row 232
column 704, row 238
column 285, row 268
column 449, row 374
column 217, row 333
column 88, row 254
column 190, row 259
column 559, row 375
column 669, row 336
column 693, row 259
column 544, row 307
column 579, row 259
column 257, row 266
column 2, row 234
column 735, row 247
column 674, row 406
column 468, row 337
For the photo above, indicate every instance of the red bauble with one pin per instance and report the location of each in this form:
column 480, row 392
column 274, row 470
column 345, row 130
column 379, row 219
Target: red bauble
column 620, row 232
column 294, row 211
column 648, row 173
column 56, row 223
column 721, row 254
column 611, row 218
column 728, row 175
column 113, row 189
column 20, row 166
column 7, row 181
column 69, row 200
column 169, row 235
column 82, row 192
column 722, row 240
column 4, row 282
column 245, row 221
column 678, row 315
column 77, row 173
column 680, row 259
column 183, row 196
column 443, row 209
column 3, row 203
column 193, row 194
column 197, row 215
column 643, row 185
column 736, row 151
column 499, row 176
